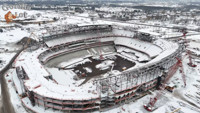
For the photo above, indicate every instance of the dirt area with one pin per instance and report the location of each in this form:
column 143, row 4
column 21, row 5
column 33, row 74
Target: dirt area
column 118, row 63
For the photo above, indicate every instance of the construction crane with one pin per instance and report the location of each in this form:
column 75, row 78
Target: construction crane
column 171, row 72
column 191, row 64
column 29, row 39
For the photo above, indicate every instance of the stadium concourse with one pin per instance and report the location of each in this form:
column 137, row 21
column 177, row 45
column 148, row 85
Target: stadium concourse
column 92, row 67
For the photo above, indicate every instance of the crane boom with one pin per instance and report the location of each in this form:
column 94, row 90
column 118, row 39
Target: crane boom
column 171, row 72
column 29, row 39
column 191, row 64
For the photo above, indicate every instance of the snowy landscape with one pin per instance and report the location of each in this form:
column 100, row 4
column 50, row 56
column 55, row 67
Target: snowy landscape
column 100, row 56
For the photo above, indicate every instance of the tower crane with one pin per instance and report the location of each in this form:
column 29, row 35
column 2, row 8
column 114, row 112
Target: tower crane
column 29, row 39
column 191, row 64
column 171, row 72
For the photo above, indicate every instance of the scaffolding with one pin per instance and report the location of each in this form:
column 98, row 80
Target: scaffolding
column 133, row 84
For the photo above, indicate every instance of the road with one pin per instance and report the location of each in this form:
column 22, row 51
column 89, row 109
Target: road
column 7, row 105
column 5, row 96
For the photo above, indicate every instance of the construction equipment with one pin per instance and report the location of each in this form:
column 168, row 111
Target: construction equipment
column 191, row 64
column 29, row 39
column 171, row 72
column 170, row 89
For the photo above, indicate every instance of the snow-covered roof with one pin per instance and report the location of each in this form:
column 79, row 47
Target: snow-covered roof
column 40, row 85
column 148, row 48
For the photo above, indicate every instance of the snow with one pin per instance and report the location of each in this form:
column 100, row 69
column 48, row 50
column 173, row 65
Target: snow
column 18, row 84
column 149, row 32
column 15, row 99
column 5, row 57
column 194, row 37
column 12, row 36
column 65, row 77
column 148, row 48
column 57, row 91
column 30, row 13
column 115, row 9
column 74, row 62
column 72, row 38
column 31, row 84
column 194, row 44
column 172, row 101
column 105, row 64
column 194, row 51
column 171, row 104
column 168, row 47
column 88, row 70
column 63, row 90
column 132, row 54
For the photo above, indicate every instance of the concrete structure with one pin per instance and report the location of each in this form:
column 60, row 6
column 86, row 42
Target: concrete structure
column 42, row 90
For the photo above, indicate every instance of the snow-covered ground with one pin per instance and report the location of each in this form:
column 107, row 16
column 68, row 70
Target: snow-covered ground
column 170, row 101
column 11, row 36
column 180, row 98
column 115, row 9
column 5, row 57
column 14, row 97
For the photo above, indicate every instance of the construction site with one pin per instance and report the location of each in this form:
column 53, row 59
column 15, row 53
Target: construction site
column 80, row 63
column 103, row 67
